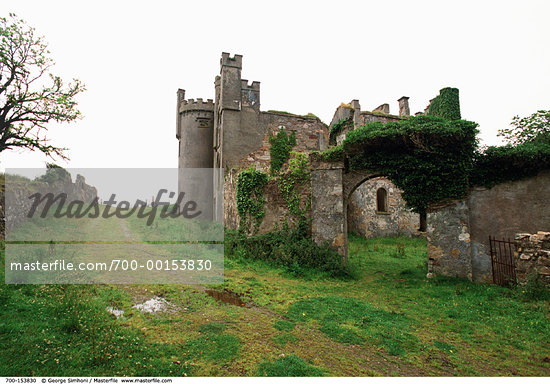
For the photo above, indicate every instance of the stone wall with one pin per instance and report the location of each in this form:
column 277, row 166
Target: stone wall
column 328, row 223
column 18, row 190
column 311, row 135
column 532, row 257
column 448, row 235
column 353, row 112
column 503, row 211
column 458, row 233
column 276, row 210
column 365, row 220
column 362, row 215
column 231, row 215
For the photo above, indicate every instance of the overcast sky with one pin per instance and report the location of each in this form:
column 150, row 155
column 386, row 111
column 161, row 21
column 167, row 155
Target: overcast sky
column 308, row 56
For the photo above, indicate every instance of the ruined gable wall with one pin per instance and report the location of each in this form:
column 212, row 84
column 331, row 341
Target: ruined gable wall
column 311, row 135
column 364, row 220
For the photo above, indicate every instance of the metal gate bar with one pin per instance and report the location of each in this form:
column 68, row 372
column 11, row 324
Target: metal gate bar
column 502, row 261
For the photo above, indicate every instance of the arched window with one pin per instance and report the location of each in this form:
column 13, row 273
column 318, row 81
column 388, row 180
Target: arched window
column 381, row 200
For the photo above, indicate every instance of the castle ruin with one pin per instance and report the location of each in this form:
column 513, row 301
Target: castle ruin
column 232, row 133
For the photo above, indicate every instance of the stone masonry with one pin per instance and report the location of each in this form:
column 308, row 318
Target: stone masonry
column 532, row 257
column 232, row 133
column 365, row 219
column 458, row 230
column 17, row 191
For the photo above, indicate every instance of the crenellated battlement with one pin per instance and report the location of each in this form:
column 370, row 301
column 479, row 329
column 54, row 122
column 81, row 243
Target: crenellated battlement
column 197, row 105
column 228, row 61
column 255, row 86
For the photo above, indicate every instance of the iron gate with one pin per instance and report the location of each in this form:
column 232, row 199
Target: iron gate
column 502, row 261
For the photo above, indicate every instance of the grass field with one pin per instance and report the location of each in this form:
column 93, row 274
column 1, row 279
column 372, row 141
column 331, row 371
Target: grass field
column 387, row 319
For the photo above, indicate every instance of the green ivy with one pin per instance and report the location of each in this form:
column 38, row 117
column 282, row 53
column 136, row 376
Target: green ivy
column 250, row 199
column 427, row 157
column 293, row 183
column 498, row 165
column 432, row 159
column 338, row 127
column 281, row 145
column 446, row 104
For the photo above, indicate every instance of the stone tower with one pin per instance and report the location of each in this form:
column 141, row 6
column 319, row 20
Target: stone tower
column 236, row 113
column 237, row 131
column 194, row 131
column 231, row 133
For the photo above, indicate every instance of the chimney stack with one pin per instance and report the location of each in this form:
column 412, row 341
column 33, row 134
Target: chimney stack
column 404, row 106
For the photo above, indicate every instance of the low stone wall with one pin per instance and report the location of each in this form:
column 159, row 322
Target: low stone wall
column 459, row 230
column 532, row 257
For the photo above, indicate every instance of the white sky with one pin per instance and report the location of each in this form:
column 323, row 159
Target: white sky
column 308, row 56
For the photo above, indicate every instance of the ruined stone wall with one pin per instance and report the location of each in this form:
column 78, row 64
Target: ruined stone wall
column 328, row 224
column 276, row 210
column 458, row 233
column 359, row 119
column 18, row 190
column 231, row 215
column 448, row 235
column 311, row 135
column 365, row 220
column 532, row 257
column 371, row 117
column 503, row 211
column 362, row 216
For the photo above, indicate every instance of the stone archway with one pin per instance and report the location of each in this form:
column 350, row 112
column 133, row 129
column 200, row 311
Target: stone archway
column 331, row 188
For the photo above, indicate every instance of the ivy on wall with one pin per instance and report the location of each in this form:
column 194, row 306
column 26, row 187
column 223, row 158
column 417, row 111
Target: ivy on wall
column 446, row 104
column 250, row 199
column 281, row 145
column 427, row 157
column 432, row 159
column 498, row 165
column 339, row 127
column 293, row 182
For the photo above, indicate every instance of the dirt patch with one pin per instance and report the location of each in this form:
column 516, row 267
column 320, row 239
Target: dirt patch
column 226, row 297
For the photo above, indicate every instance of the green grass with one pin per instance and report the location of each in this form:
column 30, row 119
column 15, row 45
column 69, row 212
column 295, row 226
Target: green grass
column 288, row 366
column 351, row 321
column 220, row 348
column 65, row 330
column 213, row 327
column 284, row 325
column 387, row 319
column 282, row 339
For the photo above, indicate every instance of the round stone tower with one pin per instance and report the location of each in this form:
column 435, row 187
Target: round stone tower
column 195, row 132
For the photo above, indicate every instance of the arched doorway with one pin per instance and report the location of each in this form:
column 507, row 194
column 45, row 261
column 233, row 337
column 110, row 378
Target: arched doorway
column 332, row 186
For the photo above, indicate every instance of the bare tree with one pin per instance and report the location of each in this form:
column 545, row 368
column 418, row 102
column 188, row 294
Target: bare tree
column 30, row 96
